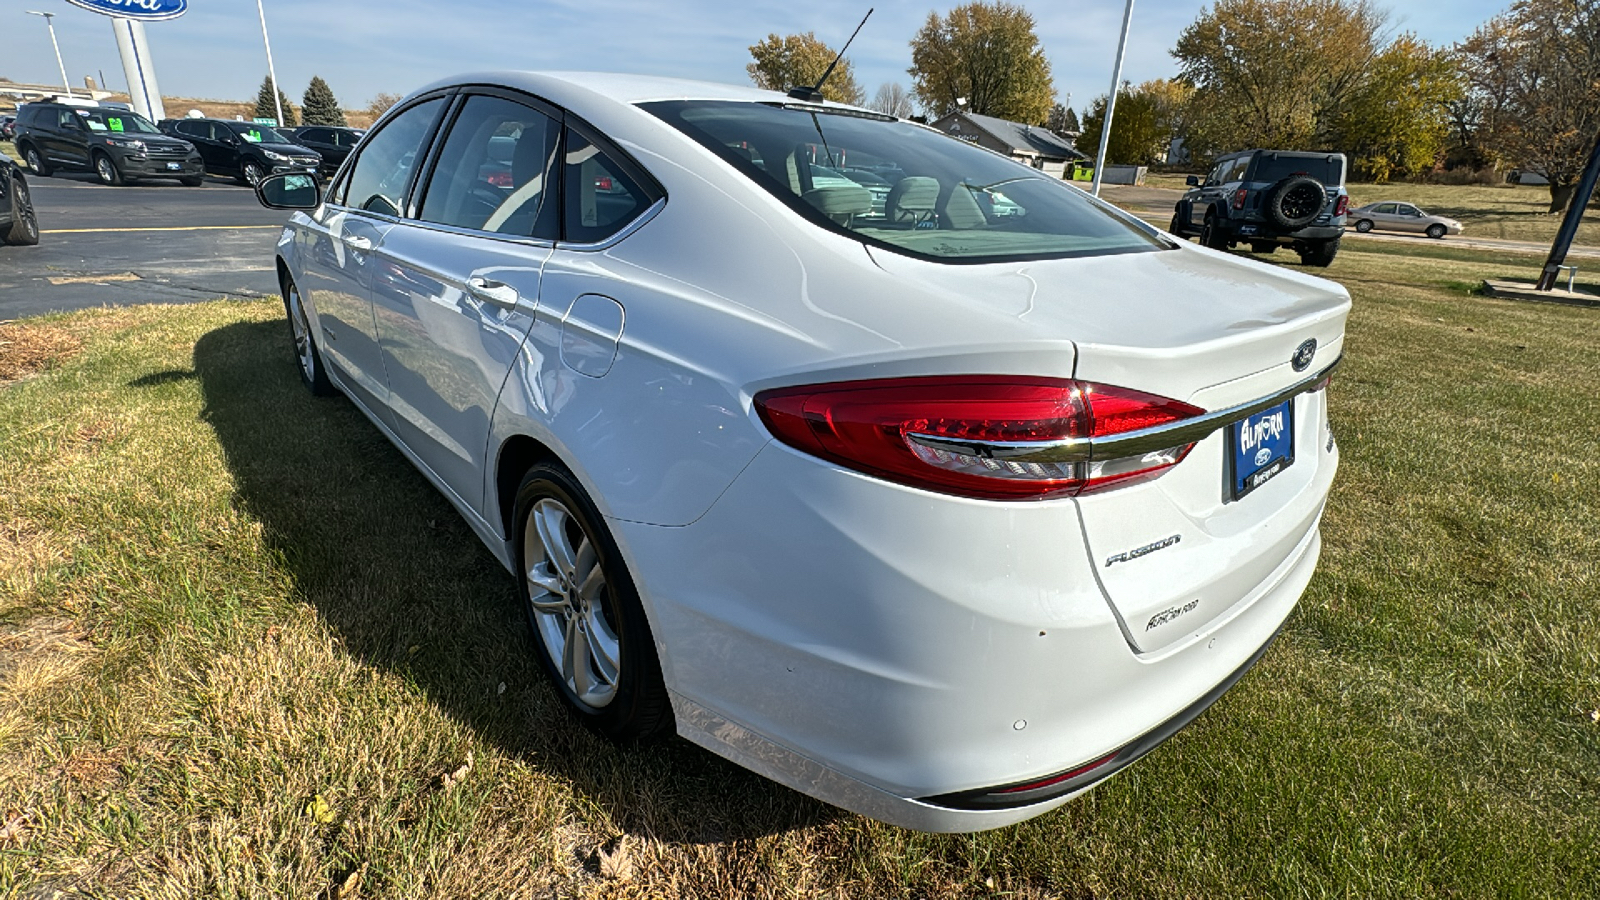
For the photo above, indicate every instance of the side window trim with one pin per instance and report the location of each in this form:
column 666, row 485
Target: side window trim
column 354, row 159
column 654, row 192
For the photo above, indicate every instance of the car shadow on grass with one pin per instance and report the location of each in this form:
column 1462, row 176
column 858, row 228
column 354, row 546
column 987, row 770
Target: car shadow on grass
column 408, row 588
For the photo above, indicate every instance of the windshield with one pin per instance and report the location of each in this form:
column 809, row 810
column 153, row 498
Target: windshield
column 900, row 186
column 258, row 134
column 116, row 121
column 1274, row 168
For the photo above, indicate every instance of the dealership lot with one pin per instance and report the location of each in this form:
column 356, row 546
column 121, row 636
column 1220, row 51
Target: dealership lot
column 140, row 244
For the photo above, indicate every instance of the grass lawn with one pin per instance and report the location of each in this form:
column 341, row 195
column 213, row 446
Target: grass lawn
column 245, row 651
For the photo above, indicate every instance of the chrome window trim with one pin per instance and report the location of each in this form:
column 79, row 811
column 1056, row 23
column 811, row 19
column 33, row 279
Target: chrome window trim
column 620, row 235
column 523, row 240
column 1132, row 443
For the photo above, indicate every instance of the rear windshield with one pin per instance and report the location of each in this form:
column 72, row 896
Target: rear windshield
column 115, row 121
column 903, row 187
column 1274, row 167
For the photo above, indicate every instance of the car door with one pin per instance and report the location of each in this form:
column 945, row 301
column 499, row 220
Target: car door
column 1383, row 216
column 199, row 133
column 339, row 249
column 1209, row 191
column 459, row 281
column 1409, row 218
column 69, row 140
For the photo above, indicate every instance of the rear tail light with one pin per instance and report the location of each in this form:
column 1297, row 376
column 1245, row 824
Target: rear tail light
column 603, row 182
column 1239, row 197
column 994, row 437
column 1342, row 205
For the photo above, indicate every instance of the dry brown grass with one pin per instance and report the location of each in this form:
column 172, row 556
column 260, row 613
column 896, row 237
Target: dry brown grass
column 29, row 348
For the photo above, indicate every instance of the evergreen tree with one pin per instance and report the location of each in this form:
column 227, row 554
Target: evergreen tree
column 319, row 106
column 265, row 108
column 1063, row 120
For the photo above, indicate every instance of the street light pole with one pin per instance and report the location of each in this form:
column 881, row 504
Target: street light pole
column 271, row 73
column 1111, row 101
column 48, row 16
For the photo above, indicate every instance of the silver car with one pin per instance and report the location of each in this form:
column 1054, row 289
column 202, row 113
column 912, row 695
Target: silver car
column 1394, row 216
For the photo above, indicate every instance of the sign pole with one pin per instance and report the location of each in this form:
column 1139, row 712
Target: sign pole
column 143, row 93
column 271, row 73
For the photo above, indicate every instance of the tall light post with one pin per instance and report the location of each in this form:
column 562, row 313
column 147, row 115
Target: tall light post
column 1111, row 101
column 48, row 16
column 271, row 73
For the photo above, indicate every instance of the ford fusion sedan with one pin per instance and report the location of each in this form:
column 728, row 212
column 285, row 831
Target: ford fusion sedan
column 942, row 511
column 1391, row 215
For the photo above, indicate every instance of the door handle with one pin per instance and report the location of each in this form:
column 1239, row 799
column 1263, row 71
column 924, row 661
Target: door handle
column 496, row 292
column 358, row 242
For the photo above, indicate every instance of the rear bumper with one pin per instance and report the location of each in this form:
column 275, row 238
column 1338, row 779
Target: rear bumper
column 1256, row 231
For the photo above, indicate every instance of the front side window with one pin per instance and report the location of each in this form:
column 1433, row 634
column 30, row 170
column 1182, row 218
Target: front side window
column 383, row 170
column 495, row 170
column 946, row 200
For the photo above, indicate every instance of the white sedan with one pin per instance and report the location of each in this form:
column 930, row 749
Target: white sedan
column 935, row 513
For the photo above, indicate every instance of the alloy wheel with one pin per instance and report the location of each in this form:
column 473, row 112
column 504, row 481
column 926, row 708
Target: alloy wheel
column 301, row 327
column 570, row 602
column 252, row 174
column 35, row 164
column 30, row 220
column 103, row 168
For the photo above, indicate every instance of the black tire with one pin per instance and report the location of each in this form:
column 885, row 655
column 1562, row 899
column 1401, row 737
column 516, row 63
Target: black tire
column 251, row 174
column 312, row 372
column 1212, row 234
column 36, row 163
column 1436, row 231
column 24, row 230
column 1294, row 202
column 1262, row 247
column 1319, row 253
column 1364, row 225
column 192, row 182
column 630, row 703
column 105, row 169
column 1180, row 221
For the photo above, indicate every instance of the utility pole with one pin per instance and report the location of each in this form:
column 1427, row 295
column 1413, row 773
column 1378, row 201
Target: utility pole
column 1111, row 101
column 271, row 73
column 1569, row 224
column 50, row 23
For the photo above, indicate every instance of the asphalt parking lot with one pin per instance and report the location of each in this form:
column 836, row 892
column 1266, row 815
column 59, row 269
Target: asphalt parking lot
column 147, row 243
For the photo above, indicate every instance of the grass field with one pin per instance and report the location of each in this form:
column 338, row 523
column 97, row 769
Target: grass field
column 246, row 651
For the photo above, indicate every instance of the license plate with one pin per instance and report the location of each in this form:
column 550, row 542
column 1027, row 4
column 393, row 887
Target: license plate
column 174, row 166
column 1260, row 447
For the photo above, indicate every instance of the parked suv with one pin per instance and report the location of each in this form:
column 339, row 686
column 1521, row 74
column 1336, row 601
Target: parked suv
column 332, row 142
column 246, row 150
column 116, row 144
column 1269, row 199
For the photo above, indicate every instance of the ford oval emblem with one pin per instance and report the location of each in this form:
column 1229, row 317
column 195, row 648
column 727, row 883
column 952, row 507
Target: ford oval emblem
column 147, row 10
column 1263, row 456
column 1303, row 354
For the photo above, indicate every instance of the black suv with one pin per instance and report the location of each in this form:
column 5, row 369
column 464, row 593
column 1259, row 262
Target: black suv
column 118, row 145
column 1268, row 199
column 332, row 142
column 245, row 150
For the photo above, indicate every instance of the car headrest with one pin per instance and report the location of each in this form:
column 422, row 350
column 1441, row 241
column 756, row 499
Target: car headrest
column 961, row 211
column 839, row 201
column 912, row 199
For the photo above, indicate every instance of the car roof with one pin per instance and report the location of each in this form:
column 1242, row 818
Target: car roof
column 621, row 88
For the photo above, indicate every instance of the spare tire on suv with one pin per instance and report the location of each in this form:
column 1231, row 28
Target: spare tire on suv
column 1294, row 202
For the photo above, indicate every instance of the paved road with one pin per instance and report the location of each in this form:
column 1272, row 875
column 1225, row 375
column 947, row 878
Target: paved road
column 161, row 243
column 1155, row 204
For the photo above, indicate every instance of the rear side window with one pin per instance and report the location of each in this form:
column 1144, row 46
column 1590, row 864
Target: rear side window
column 383, row 170
column 1272, row 167
column 601, row 197
column 495, row 170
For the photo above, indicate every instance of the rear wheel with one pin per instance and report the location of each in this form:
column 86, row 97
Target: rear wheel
column 1319, row 253
column 35, row 162
column 1436, row 231
column 24, row 228
column 305, row 344
column 1179, row 224
column 191, row 182
column 107, row 170
column 1364, row 226
column 588, row 624
column 1212, row 234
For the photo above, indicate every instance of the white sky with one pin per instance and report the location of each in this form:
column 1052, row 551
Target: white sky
column 363, row 48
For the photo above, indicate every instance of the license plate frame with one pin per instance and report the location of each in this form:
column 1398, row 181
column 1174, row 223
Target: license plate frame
column 1260, row 448
column 174, row 167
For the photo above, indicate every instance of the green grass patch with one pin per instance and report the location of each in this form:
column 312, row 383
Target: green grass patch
column 245, row 650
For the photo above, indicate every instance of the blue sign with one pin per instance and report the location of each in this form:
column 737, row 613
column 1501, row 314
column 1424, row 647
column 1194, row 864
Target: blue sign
column 145, row 10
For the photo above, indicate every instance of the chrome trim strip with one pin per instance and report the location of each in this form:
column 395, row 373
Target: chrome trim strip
column 1133, row 443
column 638, row 222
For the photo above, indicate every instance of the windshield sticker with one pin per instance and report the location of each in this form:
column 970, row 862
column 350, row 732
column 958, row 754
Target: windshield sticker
column 116, row 124
column 253, row 136
column 95, row 125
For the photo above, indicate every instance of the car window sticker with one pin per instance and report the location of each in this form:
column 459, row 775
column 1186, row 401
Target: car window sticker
column 253, row 136
column 115, row 123
column 95, row 125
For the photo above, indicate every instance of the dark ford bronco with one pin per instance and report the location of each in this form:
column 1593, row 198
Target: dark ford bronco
column 1268, row 199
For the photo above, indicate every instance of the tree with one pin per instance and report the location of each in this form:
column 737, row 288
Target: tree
column 319, row 106
column 265, row 108
column 892, row 99
column 1534, row 73
column 781, row 63
column 380, row 105
column 1063, row 120
column 1397, row 120
column 986, row 54
column 1136, row 134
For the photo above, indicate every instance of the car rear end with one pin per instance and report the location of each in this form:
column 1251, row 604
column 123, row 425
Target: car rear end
column 1271, row 168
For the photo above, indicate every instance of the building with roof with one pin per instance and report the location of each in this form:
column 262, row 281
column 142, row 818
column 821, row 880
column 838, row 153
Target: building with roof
column 1032, row 144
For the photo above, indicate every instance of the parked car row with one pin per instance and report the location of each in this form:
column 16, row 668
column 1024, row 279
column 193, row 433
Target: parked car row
column 120, row 146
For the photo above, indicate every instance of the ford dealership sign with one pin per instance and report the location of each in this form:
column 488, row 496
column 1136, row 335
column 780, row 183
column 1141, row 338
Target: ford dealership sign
column 148, row 10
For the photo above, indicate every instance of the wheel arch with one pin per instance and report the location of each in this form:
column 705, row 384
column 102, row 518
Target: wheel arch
column 516, row 455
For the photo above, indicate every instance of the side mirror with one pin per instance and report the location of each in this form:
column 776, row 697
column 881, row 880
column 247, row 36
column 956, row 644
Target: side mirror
column 291, row 190
column 1192, row 181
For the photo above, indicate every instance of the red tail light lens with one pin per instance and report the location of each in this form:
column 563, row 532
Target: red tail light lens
column 960, row 434
column 1342, row 205
column 1239, row 197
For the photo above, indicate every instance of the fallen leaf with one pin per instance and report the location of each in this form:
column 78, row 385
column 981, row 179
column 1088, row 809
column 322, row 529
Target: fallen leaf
column 413, row 649
column 1594, row 716
column 616, row 865
column 454, row 778
column 12, row 831
column 319, row 810
column 351, row 884
column 502, row 688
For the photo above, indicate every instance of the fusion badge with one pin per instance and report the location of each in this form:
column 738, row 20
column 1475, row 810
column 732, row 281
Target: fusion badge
column 1137, row 552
